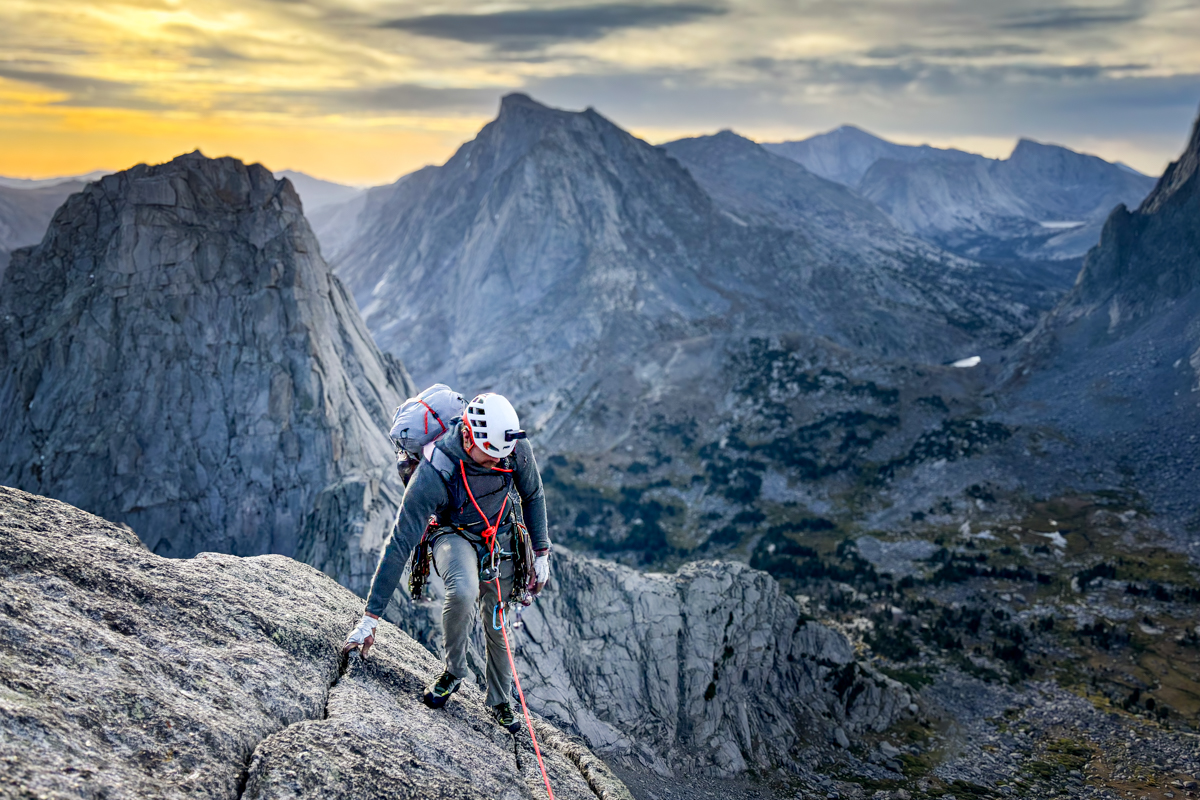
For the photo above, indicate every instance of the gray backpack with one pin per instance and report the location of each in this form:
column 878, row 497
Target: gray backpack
column 424, row 418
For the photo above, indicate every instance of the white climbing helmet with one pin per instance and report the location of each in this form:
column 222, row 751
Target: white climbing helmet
column 493, row 425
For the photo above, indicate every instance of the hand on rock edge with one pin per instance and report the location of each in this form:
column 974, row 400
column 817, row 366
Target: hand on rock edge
column 362, row 637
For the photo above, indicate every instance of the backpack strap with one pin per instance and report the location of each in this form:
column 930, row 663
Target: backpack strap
column 446, row 468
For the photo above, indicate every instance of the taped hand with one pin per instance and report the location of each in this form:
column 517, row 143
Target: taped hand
column 541, row 570
column 362, row 637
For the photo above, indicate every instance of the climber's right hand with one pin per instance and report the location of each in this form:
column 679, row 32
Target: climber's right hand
column 362, row 637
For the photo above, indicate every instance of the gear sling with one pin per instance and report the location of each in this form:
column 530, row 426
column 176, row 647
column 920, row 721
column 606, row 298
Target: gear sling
column 521, row 545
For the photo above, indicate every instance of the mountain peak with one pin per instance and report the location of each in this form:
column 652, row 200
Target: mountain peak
column 515, row 100
column 522, row 116
column 1024, row 143
column 1032, row 150
column 724, row 138
column 856, row 133
column 725, row 134
column 163, row 274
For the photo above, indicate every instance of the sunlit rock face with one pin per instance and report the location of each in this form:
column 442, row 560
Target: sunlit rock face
column 128, row 675
column 175, row 355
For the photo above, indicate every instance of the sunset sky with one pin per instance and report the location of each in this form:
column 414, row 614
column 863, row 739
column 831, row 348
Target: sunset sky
column 363, row 92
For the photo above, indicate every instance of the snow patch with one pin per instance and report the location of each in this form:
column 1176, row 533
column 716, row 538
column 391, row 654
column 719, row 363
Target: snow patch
column 1055, row 538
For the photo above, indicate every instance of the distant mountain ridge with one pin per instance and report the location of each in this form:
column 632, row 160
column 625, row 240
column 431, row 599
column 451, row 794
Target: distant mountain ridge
column 41, row 183
column 755, row 186
column 25, row 211
column 316, row 193
column 1043, row 202
column 845, row 154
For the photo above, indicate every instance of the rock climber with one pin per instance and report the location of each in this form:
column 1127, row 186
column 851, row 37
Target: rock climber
column 466, row 484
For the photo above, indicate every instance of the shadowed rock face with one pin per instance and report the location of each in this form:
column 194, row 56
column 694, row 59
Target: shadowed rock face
column 127, row 675
column 711, row 670
column 176, row 355
column 1117, row 363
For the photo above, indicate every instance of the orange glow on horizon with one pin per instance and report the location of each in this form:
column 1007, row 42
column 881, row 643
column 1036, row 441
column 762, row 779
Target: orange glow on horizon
column 333, row 89
column 81, row 140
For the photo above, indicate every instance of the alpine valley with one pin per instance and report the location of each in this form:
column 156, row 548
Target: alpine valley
column 865, row 481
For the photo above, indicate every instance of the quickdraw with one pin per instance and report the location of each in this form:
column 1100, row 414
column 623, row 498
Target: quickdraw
column 421, row 558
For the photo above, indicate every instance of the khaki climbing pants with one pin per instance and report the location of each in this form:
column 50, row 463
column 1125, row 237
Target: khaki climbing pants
column 455, row 560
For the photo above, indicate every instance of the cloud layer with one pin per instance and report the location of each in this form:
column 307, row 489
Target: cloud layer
column 537, row 28
column 1121, row 78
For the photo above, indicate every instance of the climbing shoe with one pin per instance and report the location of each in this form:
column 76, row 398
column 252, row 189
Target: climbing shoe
column 507, row 718
column 440, row 692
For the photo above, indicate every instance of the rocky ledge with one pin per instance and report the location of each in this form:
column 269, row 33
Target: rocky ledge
column 123, row 674
column 712, row 670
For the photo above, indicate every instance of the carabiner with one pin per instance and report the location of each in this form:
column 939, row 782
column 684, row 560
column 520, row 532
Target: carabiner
column 497, row 613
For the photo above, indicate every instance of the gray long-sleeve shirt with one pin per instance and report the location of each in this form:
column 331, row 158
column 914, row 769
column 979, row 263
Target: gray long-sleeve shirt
column 427, row 496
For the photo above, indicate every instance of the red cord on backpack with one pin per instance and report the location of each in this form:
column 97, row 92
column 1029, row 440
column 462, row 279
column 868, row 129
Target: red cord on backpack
column 489, row 536
column 429, row 410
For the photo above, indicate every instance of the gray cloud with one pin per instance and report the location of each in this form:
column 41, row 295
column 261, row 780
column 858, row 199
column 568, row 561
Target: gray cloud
column 530, row 29
column 928, row 77
column 218, row 53
column 976, row 51
column 400, row 97
column 84, row 92
column 1073, row 18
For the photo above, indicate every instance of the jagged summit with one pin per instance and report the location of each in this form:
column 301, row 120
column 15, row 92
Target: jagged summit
column 176, row 355
column 1149, row 256
column 1179, row 179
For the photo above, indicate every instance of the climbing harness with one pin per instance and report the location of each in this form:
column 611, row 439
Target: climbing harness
column 489, row 536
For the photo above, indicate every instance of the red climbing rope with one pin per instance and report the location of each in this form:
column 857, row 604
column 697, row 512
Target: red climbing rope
column 489, row 536
column 528, row 722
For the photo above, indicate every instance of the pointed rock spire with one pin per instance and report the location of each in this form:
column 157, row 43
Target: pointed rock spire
column 176, row 355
